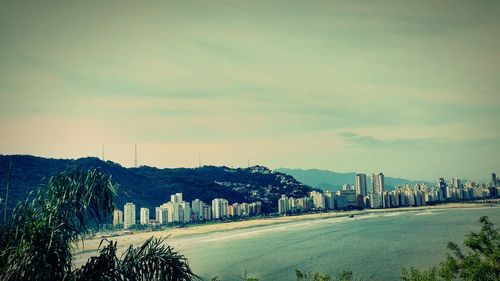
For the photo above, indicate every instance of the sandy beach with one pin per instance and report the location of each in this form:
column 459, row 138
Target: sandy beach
column 124, row 241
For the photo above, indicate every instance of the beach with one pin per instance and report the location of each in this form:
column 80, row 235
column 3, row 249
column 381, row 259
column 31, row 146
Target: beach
column 176, row 235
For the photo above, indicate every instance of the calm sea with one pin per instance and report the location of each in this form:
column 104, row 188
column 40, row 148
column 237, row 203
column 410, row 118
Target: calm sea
column 381, row 244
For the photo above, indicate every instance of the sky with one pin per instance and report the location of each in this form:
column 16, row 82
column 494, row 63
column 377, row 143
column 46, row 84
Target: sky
column 408, row 88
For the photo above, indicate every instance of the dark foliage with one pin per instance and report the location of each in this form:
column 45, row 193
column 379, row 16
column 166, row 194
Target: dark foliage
column 150, row 187
column 153, row 260
column 36, row 242
column 481, row 260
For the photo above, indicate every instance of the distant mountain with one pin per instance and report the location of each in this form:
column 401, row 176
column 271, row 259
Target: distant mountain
column 150, row 187
column 324, row 179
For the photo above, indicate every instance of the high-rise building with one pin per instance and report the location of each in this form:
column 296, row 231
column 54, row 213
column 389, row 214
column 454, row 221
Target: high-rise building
column 378, row 183
column 117, row 217
column 175, row 209
column 455, row 182
column 129, row 217
column 442, row 187
column 245, row 209
column 161, row 215
column 361, row 184
column 341, row 202
column 494, row 182
column 329, row 200
column 318, row 199
column 144, row 216
column 350, row 195
column 283, row 206
column 207, row 212
column 292, row 206
column 172, row 211
column 178, row 213
column 219, row 208
column 376, row 200
column 176, row 198
column 170, row 214
column 185, row 210
column 301, row 204
column 197, row 208
column 232, row 210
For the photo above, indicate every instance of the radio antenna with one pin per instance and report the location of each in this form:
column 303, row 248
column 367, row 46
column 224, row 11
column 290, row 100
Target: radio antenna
column 135, row 159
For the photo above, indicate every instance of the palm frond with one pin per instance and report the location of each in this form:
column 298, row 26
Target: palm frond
column 36, row 243
column 154, row 260
column 103, row 267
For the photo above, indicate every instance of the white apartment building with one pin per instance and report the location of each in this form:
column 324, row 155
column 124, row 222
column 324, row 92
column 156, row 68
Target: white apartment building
column 129, row 217
column 144, row 216
column 318, row 200
column 283, row 204
column 117, row 217
column 161, row 215
column 197, row 208
column 219, row 208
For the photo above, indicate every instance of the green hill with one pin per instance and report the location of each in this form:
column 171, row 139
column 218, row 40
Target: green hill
column 150, row 187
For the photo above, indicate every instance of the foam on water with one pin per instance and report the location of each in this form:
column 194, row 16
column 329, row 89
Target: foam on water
column 380, row 243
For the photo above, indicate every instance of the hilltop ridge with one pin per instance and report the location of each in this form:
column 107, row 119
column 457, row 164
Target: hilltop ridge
column 150, row 187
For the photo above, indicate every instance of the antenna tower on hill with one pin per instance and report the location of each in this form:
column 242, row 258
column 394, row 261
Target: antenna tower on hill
column 135, row 159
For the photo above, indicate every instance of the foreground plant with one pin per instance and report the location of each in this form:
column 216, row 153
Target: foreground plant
column 481, row 261
column 36, row 243
column 150, row 261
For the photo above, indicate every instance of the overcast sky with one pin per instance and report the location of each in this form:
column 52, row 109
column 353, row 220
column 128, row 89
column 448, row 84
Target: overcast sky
column 409, row 89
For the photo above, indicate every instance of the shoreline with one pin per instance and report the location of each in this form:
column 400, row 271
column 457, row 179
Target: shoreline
column 90, row 246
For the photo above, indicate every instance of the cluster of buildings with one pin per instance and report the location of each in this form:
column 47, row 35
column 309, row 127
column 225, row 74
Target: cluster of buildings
column 179, row 211
column 357, row 196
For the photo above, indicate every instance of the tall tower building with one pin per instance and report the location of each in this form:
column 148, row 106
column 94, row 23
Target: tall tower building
column 175, row 211
column 361, row 185
column 207, row 212
column 442, row 187
column 197, row 208
column 378, row 183
column 117, row 217
column 176, row 198
column 456, row 183
column 283, row 204
column 161, row 215
column 185, row 210
column 129, row 215
column 144, row 216
column 329, row 200
column 219, row 208
column 494, row 179
column 318, row 200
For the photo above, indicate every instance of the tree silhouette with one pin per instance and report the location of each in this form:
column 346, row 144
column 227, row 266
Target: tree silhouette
column 37, row 242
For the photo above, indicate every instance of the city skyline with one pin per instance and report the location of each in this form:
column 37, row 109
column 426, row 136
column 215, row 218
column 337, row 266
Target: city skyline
column 350, row 197
column 409, row 89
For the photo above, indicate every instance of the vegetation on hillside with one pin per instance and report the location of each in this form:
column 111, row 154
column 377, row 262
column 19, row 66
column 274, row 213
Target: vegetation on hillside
column 37, row 242
column 150, row 187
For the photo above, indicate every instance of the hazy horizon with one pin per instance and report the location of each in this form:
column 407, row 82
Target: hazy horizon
column 486, row 178
column 407, row 88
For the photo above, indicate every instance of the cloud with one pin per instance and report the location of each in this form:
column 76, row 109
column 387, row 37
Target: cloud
column 393, row 76
column 412, row 143
column 368, row 141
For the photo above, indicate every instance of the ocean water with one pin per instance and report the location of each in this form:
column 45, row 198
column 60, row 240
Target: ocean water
column 378, row 244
